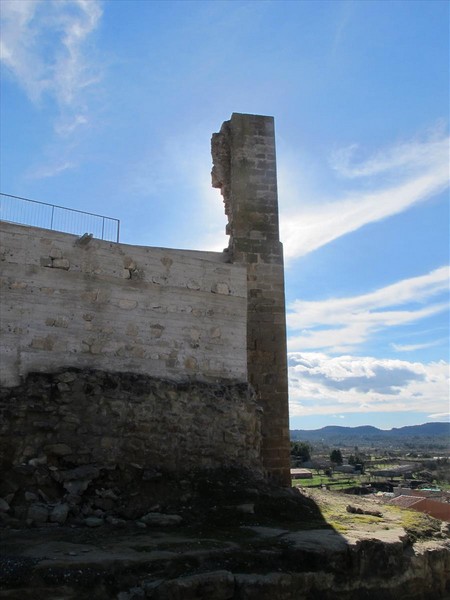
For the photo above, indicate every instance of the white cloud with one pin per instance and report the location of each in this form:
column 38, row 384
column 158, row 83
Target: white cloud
column 439, row 416
column 387, row 183
column 408, row 156
column 414, row 347
column 43, row 46
column 321, row 384
column 51, row 170
column 346, row 10
column 68, row 125
column 339, row 324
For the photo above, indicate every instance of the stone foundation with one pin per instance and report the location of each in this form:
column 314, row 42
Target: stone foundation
column 59, row 432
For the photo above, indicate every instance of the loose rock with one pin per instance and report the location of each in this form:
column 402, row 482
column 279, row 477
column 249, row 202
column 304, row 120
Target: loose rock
column 59, row 513
column 161, row 520
column 37, row 513
column 4, row 506
column 93, row 522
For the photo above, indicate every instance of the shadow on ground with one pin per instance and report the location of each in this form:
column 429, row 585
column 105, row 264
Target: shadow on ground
column 230, row 538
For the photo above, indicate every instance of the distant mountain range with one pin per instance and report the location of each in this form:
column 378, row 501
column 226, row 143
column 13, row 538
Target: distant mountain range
column 335, row 433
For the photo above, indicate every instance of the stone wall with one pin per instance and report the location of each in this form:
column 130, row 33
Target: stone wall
column 70, row 302
column 81, row 317
column 245, row 171
column 90, row 416
column 78, row 444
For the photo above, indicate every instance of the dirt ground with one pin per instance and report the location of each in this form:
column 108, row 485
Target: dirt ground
column 258, row 537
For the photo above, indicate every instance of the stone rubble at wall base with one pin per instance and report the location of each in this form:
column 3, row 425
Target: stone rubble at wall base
column 64, row 434
column 220, row 550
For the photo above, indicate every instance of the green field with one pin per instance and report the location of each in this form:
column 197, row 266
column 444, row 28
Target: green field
column 338, row 481
column 342, row 481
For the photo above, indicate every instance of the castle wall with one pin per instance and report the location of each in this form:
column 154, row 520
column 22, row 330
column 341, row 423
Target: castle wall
column 115, row 354
column 54, row 422
column 165, row 313
column 171, row 360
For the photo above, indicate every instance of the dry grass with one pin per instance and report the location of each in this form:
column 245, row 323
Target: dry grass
column 334, row 510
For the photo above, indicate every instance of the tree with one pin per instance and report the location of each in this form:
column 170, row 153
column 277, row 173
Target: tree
column 357, row 459
column 336, row 457
column 301, row 451
column 319, row 465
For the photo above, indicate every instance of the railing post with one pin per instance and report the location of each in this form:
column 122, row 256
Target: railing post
column 103, row 227
column 51, row 222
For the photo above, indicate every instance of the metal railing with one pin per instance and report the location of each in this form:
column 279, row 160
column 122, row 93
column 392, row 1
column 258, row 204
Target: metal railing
column 24, row 211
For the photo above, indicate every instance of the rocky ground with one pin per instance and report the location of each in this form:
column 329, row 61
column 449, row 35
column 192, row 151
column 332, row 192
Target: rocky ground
column 225, row 539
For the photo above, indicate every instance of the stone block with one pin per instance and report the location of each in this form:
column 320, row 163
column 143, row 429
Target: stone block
column 220, row 288
column 155, row 519
column 217, row 585
column 38, row 514
column 58, row 449
column 61, row 263
column 4, row 506
column 55, row 253
column 59, row 513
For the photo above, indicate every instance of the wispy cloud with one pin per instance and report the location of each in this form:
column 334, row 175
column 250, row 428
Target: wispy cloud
column 50, row 170
column 414, row 347
column 346, row 12
column 322, row 384
column 44, row 47
column 340, row 324
column 443, row 415
column 384, row 184
column 404, row 157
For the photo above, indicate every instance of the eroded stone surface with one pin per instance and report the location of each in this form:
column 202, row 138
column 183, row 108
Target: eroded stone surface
column 102, row 420
column 245, row 171
column 111, row 563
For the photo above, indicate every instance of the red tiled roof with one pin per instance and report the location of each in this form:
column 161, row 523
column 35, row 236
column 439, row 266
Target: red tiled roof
column 438, row 510
column 405, row 501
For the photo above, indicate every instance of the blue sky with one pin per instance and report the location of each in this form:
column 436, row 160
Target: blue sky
column 109, row 107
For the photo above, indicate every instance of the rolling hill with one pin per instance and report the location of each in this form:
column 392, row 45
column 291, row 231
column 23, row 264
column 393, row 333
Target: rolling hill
column 334, row 434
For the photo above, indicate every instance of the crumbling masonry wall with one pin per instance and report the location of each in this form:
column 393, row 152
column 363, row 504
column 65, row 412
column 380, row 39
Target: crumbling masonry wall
column 123, row 354
column 245, row 171
column 79, row 417
column 171, row 359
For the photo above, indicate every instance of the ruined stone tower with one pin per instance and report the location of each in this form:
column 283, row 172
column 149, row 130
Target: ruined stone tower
column 245, row 171
column 151, row 356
